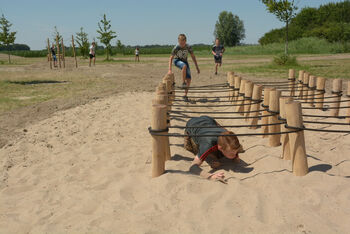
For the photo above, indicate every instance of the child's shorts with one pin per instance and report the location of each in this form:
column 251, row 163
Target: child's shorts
column 218, row 59
column 180, row 64
column 54, row 57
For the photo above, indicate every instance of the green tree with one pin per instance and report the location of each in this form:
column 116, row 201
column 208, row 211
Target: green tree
column 106, row 34
column 229, row 29
column 285, row 11
column 83, row 42
column 7, row 38
column 56, row 34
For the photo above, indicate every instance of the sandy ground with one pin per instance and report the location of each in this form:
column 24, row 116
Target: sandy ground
column 87, row 169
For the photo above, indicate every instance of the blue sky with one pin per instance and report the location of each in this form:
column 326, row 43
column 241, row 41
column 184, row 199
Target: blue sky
column 137, row 22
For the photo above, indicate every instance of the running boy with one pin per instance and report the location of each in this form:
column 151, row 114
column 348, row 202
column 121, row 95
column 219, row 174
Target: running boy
column 217, row 51
column 54, row 55
column 137, row 54
column 92, row 53
column 179, row 55
column 212, row 148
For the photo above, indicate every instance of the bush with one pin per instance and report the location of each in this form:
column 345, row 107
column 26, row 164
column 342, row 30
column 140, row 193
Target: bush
column 283, row 60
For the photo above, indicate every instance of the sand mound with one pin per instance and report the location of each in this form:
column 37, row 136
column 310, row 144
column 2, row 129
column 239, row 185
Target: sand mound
column 87, row 169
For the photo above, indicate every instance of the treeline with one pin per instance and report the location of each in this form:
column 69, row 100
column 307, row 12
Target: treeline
column 126, row 50
column 330, row 22
column 14, row 47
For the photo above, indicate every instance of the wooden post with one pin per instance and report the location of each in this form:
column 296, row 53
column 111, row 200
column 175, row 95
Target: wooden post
column 296, row 139
column 274, row 107
column 237, row 84
column 291, row 78
column 240, row 100
column 158, row 142
column 300, row 83
column 336, row 91
column 162, row 99
column 320, row 90
column 63, row 58
column 255, row 107
column 265, row 120
column 49, row 52
column 306, row 84
column 311, row 92
column 58, row 51
column 248, row 98
column 348, row 103
column 284, row 137
column 75, row 57
column 229, row 74
column 231, row 84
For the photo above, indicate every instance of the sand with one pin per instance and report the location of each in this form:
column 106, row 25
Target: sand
column 87, row 169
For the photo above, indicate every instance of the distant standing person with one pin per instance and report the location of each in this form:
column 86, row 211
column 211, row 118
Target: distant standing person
column 137, row 54
column 54, row 55
column 92, row 53
column 179, row 55
column 218, row 50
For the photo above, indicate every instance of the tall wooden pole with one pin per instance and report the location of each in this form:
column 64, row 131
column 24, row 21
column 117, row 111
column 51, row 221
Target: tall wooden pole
column 158, row 144
column 296, row 139
column 274, row 107
column 74, row 54
column 300, row 83
column 265, row 120
column 311, row 91
column 58, row 51
column 320, row 90
column 248, row 97
column 291, row 78
column 255, row 107
column 49, row 52
column 285, row 138
column 336, row 93
column 63, row 55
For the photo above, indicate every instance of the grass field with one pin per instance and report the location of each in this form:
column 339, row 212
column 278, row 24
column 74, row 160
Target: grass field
column 29, row 81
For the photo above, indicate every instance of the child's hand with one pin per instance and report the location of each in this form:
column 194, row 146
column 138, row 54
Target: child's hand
column 217, row 176
column 170, row 72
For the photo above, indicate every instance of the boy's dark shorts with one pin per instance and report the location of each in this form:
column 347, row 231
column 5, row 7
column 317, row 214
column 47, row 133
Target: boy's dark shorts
column 218, row 59
column 91, row 56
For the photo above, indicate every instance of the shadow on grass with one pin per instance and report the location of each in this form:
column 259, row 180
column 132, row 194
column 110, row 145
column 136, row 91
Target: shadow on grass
column 34, row 82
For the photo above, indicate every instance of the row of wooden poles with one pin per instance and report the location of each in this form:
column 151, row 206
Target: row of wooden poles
column 161, row 105
column 247, row 97
column 60, row 53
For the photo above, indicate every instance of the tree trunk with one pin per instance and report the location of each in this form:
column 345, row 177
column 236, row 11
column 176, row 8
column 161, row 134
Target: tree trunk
column 9, row 56
column 286, row 46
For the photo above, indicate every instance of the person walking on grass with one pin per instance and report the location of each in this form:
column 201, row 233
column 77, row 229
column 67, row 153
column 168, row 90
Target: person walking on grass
column 211, row 148
column 179, row 56
column 53, row 53
column 137, row 54
column 92, row 53
column 217, row 50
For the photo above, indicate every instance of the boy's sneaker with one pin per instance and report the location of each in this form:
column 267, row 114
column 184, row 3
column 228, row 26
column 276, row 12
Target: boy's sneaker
column 185, row 98
column 184, row 85
column 216, row 73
